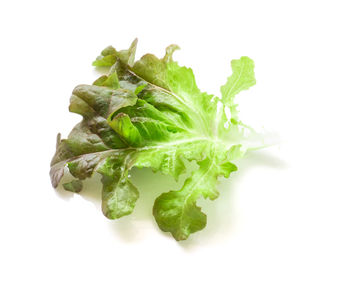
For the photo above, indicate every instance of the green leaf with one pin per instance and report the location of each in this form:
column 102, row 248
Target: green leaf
column 151, row 113
column 109, row 50
column 110, row 55
column 139, row 88
column 122, row 124
column 111, row 81
column 177, row 212
column 166, row 76
column 73, row 186
column 107, row 58
column 119, row 195
column 242, row 79
column 128, row 56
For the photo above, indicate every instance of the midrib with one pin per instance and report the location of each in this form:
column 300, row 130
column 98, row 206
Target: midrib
column 139, row 149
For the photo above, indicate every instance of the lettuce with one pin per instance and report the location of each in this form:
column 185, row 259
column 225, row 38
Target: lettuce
column 150, row 113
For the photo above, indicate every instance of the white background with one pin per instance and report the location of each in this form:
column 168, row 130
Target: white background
column 284, row 216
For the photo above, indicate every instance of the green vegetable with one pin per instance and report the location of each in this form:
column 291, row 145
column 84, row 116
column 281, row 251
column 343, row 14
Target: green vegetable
column 150, row 113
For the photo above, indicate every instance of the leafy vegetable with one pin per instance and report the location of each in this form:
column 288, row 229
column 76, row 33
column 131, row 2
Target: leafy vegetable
column 150, row 113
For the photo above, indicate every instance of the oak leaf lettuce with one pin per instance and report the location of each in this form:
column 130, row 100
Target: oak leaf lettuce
column 150, row 113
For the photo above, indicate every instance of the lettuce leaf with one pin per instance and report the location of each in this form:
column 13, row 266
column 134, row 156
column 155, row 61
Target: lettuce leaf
column 150, row 113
